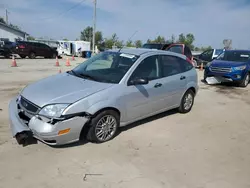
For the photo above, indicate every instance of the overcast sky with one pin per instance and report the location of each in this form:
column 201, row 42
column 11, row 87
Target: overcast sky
column 210, row 21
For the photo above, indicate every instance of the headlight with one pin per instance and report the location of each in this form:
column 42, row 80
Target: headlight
column 208, row 64
column 54, row 110
column 240, row 68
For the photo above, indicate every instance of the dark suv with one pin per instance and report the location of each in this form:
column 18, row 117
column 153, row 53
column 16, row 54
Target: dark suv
column 33, row 49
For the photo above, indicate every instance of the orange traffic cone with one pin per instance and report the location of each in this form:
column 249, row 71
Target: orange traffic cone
column 201, row 67
column 73, row 58
column 57, row 62
column 13, row 62
column 67, row 63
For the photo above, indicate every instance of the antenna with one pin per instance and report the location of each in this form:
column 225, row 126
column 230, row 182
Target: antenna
column 128, row 40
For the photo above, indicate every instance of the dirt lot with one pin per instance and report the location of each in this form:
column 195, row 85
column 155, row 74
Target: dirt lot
column 207, row 148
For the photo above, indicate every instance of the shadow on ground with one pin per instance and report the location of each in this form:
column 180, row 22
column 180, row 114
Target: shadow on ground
column 83, row 141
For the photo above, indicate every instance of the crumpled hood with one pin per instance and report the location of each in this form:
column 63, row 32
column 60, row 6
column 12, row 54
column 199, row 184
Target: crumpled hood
column 61, row 88
column 221, row 63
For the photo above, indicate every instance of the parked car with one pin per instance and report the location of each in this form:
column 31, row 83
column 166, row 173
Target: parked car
column 179, row 48
column 6, row 48
column 33, row 49
column 230, row 66
column 206, row 56
column 111, row 89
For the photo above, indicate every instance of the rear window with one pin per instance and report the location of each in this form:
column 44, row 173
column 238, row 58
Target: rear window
column 176, row 49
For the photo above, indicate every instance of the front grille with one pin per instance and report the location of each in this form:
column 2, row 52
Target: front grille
column 221, row 69
column 28, row 106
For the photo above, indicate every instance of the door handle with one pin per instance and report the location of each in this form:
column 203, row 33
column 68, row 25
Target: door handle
column 157, row 85
column 182, row 77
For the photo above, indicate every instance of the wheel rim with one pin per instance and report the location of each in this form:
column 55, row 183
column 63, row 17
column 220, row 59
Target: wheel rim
column 105, row 128
column 247, row 80
column 188, row 101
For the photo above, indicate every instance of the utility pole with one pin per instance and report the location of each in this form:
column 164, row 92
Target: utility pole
column 6, row 17
column 94, row 27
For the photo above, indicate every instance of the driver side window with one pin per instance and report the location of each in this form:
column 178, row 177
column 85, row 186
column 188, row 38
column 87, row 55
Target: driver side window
column 148, row 68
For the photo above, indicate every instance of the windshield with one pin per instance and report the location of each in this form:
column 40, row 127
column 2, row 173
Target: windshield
column 153, row 46
column 108, row 67
column 236, row 56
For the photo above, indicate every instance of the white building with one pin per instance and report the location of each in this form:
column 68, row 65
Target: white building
column 7, row 32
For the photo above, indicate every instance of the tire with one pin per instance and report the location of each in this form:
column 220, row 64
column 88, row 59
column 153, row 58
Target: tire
column 32, row 55
column 22, row 56
column 96, row 124
column 245, row 81
column 189, row 95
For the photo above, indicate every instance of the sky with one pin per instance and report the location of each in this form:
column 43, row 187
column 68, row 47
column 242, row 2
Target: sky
column 210, row 21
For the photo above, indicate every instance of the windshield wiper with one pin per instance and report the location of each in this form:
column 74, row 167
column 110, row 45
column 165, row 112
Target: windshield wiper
column 88, row 77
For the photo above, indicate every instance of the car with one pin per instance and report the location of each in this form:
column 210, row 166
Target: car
column 110, row 90
column 6, row 48
column 179, row 48
column 230, row 66
column 33, row 49
column 206, row 56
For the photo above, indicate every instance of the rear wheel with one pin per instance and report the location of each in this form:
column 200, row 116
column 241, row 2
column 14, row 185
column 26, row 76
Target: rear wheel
column 22, row 56
column 32, row 55
column 187, row 102
column 245, row 81
column 103, row 127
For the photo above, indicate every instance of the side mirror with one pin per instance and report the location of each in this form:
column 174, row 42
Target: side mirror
column 214, row 58
column 138, row 81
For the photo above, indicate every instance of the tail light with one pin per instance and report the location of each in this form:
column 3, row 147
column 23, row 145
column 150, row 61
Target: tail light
column 21, row 46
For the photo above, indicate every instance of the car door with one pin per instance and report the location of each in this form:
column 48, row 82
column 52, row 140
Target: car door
column 207, row 55
column 144, row 100
column 174, row 80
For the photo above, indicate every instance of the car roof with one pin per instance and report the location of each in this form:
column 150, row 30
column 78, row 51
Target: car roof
column 141, row 51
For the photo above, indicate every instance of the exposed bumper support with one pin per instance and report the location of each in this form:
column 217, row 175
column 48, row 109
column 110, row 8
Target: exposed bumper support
column 46, row 132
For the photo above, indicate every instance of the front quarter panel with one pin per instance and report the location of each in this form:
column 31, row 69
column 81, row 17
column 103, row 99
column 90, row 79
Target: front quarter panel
column 108, row 98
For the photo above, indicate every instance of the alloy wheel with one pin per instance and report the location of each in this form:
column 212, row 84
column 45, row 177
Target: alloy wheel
column 105, row 128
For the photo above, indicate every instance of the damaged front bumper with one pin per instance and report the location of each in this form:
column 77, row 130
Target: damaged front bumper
column 60, row 133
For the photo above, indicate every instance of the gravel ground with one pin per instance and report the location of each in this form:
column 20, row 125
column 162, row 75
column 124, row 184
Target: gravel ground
column 206, row 148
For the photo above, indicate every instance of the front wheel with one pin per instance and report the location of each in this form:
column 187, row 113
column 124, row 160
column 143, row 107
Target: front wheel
column 245, row 81
column 103, row 127
column 187, row 102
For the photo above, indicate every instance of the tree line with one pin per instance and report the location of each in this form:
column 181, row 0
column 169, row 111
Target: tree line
column 109, row 42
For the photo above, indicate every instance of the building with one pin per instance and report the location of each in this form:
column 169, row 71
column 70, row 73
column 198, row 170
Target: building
column 7, row 32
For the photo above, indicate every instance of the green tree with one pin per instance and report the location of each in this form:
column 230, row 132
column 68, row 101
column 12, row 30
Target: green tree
column 113, row 41
column 188, row 40
column 149, row 41
column 65, row 39
column 129, row 43
column 2, row 20
column 14, row 26
column 205, row 48
column 159, row 39
column 138, row 43
column 87, row 35
column 30, row 38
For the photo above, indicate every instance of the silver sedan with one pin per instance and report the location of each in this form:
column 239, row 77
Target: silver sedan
column 109, row 90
